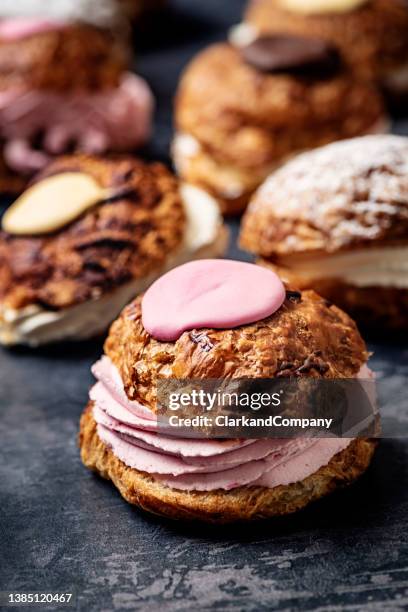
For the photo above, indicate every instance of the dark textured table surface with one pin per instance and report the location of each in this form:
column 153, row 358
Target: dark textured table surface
column 63, row 529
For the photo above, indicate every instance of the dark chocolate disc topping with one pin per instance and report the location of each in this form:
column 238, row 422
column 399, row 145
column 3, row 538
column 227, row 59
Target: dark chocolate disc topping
column 294, row 54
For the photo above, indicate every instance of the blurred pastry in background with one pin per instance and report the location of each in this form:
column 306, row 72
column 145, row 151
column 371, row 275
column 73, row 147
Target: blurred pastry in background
column 88, row 236
column 243, row 109
column 222, row 320
column 134, row 9
column 64, row 87
column 336, row 220
column 372, row 35
column 101, row 13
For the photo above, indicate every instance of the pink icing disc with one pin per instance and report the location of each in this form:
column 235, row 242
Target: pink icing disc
column 219, row 294
column 23, row 27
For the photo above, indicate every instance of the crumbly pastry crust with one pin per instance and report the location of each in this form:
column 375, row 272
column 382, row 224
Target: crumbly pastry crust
column 278, row 116
column 305, row 337
column 240, row 504
column 79, row 57
column 373, row 38
column 375, row 308
column 113, row 243
column 343, row 196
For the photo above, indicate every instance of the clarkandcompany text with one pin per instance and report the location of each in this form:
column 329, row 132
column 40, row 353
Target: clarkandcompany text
column 244, row 421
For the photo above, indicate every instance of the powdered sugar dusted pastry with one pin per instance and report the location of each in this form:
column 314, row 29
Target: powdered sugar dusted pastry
column 371, row 34
column 87, row 237
column 243, row 109
column 64, row 87
column 336, row 220
column 218, row 480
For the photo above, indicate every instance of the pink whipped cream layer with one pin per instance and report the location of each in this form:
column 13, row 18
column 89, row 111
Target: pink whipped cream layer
column 24, row 27
column 210, row 293
column 113, row 120
column 130, row 430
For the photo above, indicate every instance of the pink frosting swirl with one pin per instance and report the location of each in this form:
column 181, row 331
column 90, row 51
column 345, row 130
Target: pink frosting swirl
column 130, row 430
column 114, row 120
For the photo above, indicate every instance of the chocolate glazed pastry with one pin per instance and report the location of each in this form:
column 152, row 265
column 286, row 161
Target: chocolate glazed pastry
column 226, row 480
column 297, row 96
column 372, row 36
column 336, row 220
column 302, row 56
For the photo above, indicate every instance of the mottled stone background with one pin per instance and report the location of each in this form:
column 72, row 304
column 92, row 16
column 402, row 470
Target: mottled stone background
column 64, row 529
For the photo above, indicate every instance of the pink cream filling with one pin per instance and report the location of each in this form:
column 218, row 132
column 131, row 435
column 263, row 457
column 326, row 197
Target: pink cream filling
column 130, row 430
column 114, row 120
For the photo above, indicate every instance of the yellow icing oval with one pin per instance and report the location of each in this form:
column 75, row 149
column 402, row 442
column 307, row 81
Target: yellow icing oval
column 322, row 6
column 52, row 204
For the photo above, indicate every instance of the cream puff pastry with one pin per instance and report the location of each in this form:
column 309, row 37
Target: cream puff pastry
column 243, row 109
column 336, row 220
column 64, row 87
column 88, row 236
column 371, row 34
column 213, row 324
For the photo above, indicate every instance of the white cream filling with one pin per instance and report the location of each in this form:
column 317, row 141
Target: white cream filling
column 184, row 148
column 385, row 267
column 96, row 12
column 205, row 237
column 227, row 184
column 242, row 34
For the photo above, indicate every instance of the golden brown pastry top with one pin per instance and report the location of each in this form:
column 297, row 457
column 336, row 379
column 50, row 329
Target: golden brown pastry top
column 305, row 337
column 346, row 194
column 373, row 37
column 109, row 245
column 78, row 57
column 249, row 118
